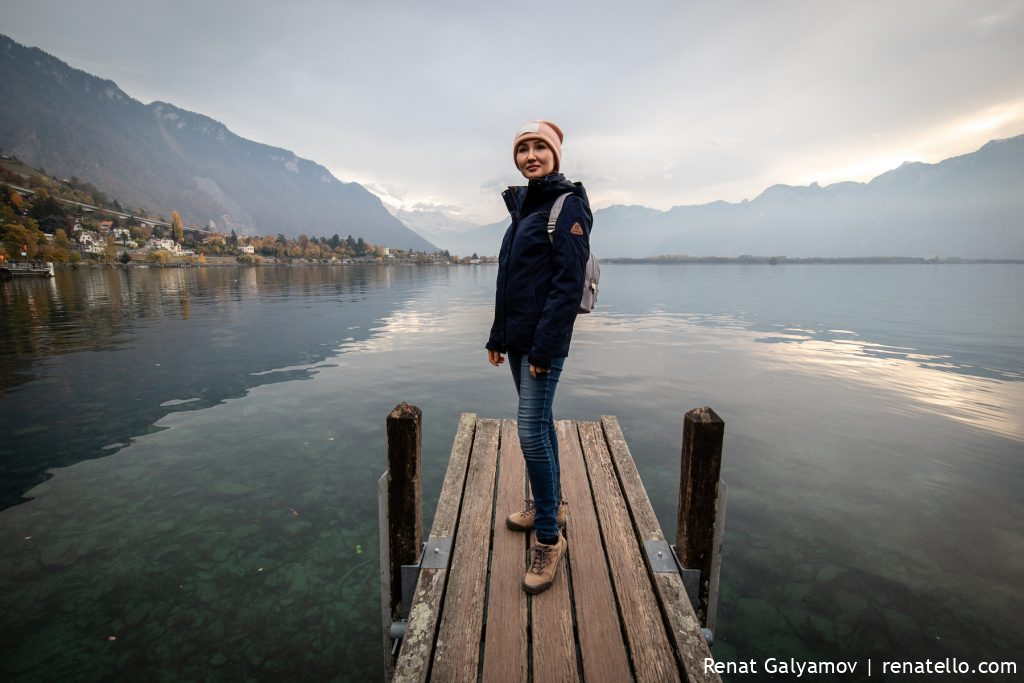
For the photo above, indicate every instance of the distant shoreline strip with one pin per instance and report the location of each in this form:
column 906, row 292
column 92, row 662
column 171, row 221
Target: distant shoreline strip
column 780, row 260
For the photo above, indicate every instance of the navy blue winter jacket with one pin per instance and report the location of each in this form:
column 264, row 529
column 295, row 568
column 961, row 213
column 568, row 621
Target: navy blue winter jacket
column 540, row 280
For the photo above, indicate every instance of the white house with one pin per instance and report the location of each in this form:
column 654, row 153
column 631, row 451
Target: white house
column 247, row 249
column 168, row 245
column 87, row 237
column 157, row 243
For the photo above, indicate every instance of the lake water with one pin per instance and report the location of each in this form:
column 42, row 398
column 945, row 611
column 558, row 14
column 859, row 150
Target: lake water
column 188, row 458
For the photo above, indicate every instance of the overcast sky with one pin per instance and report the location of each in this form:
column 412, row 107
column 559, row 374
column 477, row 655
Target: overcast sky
column 662, row 103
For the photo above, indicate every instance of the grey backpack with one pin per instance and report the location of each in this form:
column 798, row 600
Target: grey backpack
column 593, row 276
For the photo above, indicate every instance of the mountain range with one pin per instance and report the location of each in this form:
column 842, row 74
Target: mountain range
column 971, row 206
column 167, row 159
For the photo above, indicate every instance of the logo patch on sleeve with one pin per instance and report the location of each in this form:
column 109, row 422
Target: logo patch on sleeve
column 576, row 229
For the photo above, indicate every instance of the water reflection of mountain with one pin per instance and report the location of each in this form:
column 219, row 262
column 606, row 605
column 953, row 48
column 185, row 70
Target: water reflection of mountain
column 89, row 357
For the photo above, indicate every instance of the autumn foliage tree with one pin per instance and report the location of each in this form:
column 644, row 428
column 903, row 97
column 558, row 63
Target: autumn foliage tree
column 18, row 239
column 177, row 230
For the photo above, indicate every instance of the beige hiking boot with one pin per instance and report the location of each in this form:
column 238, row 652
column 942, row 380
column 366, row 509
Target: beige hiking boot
column 544, row 561
column 523, row 521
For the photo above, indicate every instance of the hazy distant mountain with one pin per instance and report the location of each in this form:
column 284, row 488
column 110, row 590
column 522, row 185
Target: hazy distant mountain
column 970, row 206
column 484, row 240
column 461, row 238
column 165, row 158
column 432, row 222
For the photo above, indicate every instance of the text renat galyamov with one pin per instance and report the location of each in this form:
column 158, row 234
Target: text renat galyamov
column 779, row 666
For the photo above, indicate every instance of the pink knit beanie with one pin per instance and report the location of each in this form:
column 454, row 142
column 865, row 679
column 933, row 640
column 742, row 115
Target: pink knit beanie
column 540, row 130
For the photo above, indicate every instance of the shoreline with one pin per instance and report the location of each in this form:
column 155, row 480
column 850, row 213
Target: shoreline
column 707, row 260
column 810, row 260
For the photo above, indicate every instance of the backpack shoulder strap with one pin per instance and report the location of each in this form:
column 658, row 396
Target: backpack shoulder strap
column 556, row 209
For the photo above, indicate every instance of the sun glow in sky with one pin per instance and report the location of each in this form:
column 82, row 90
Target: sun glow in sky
column 960, row 135
column 663, row 102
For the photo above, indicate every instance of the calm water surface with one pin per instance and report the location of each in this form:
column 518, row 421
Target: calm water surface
column 188, row 459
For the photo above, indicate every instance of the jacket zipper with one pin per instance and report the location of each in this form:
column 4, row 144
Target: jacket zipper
column 513, row 210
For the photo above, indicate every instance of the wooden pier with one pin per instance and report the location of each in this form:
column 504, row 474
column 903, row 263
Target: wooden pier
column 619, row 608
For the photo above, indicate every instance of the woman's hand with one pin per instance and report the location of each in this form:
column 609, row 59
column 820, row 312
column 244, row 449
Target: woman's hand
column 534, row 371
column 495, row 358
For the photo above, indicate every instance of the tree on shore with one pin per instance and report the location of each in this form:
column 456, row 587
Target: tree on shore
column 109, row 250
column 177, row 231
column 18, row 239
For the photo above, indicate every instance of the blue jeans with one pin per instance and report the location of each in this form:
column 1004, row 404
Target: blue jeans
column 538, row 440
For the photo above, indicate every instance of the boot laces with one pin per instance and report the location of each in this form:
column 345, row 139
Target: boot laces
column 541, row 557
column 531, row 507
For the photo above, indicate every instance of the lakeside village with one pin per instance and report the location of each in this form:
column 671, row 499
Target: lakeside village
column 71, row 222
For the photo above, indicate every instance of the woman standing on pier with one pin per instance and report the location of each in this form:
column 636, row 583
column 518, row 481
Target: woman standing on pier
column 540, row 281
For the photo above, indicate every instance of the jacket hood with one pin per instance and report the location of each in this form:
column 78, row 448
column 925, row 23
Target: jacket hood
column 524, row 199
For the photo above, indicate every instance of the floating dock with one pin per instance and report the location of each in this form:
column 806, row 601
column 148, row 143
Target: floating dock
column 619, row 609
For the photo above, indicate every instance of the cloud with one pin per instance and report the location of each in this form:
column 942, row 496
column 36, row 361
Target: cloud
column 382, row 190
column 991, row 20
column 432, row 206
column 665, row 104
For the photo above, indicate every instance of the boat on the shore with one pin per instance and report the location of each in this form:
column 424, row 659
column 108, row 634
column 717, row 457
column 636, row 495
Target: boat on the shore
column 10, row 270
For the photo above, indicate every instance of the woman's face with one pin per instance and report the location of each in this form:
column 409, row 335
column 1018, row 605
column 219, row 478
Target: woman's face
column 535, row 159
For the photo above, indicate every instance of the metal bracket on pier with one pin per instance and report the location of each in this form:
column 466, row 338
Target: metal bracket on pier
column 410, row 573
column 691, row 582
column 662, row 558
column 436, row 553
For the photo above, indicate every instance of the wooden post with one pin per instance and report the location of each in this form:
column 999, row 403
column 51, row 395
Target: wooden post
column 701, row 465
column 405, row 497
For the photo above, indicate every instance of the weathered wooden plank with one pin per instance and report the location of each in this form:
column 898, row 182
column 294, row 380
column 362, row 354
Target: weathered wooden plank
column 552, row 644
column 446, row 516
column 554, row 650
column 505, row 656
column 685, row 633
column 652, row 654
column 602, row 651
column 457, row 652
column 414, row 658
column 700, row 469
